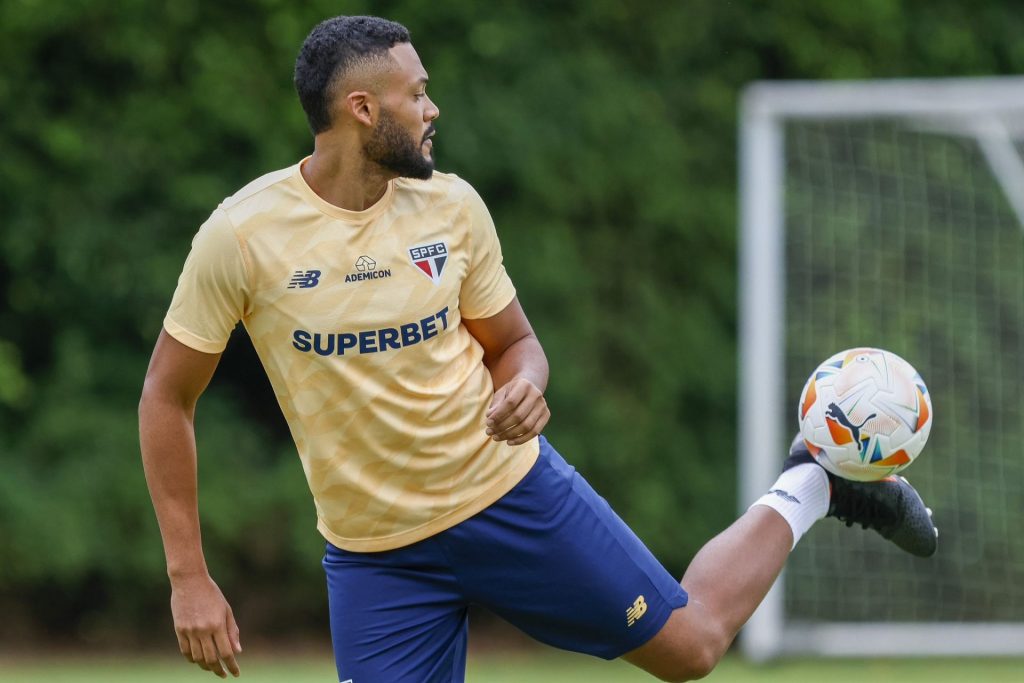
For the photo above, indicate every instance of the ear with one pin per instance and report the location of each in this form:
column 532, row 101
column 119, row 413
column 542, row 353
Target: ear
column 362, row 106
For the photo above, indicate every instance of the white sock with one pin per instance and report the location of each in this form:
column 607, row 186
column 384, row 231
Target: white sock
column 800, row 495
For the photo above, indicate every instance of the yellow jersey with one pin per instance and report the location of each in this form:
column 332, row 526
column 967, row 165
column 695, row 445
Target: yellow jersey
column 356, row 317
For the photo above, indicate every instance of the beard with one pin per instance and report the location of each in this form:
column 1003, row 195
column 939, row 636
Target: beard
column 393, row 148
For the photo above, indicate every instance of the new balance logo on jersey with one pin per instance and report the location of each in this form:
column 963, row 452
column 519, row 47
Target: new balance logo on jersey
column 430, row 259
column 785, row 495
column 638, row 609
column 304, row 279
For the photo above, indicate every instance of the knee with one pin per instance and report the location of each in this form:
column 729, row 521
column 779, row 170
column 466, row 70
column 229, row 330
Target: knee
column 695, row 664
column 703, row 663
column 687, row 648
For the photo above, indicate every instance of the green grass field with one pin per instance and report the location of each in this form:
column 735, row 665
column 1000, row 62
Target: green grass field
column 542, row 667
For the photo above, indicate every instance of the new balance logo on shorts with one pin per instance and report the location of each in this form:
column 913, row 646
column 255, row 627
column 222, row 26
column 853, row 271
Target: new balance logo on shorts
column 638, row 609
column 304, row 279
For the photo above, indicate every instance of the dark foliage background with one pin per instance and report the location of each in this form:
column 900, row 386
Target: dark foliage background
column 602, row 135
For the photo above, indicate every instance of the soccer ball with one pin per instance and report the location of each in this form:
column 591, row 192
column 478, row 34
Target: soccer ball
column 865, row 414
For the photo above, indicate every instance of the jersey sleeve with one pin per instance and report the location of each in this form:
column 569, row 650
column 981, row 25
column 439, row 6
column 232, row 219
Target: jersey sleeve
column 213, row 290
column 487, row 288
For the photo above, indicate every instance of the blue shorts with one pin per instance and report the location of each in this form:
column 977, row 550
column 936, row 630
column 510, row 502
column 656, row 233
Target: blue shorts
column 551, row 557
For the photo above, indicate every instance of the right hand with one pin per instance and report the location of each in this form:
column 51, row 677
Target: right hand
column 206, row 628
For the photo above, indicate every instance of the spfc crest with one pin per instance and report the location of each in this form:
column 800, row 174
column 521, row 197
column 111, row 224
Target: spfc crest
column 430, row 259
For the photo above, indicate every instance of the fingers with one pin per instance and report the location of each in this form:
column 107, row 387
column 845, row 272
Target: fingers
column 213, row 649
column 196, row 653
column 233, row 634
column 518, row 413
column 533, row 425
column 502, row 412
column 184, row 646
column 505, row 400
column 205, row 626
column 225, row 651
column 211, row 658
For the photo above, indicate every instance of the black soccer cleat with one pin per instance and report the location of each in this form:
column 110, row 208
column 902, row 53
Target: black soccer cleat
column 891, row 506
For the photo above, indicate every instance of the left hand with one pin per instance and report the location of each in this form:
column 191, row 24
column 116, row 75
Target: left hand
column 518, row 412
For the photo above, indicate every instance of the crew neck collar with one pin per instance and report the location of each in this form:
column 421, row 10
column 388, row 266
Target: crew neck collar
column 336, row 211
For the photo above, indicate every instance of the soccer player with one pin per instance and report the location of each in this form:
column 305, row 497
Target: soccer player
column 374, row 293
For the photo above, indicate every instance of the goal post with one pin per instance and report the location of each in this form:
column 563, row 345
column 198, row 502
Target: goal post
column 890, row 214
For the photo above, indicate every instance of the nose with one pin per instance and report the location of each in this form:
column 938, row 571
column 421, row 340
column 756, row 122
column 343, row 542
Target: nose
column 431, row 112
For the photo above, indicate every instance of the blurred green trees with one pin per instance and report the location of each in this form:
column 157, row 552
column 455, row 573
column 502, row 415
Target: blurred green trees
column 601, row 134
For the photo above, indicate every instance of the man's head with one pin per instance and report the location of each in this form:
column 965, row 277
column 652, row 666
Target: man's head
column 362, row 73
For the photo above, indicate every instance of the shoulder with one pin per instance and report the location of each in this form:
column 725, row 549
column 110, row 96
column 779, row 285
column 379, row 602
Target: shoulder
column 441, row 188
column 266, row 183
column 259, row 196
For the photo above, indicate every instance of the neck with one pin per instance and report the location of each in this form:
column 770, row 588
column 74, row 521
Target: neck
column 341, row 175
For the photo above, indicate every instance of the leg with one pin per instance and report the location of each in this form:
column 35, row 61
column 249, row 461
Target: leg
column 731, row 575
column 396, row 616
column 726, row 582
column 553, row 559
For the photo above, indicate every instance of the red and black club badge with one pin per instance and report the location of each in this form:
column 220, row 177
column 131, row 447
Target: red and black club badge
column 430, row 259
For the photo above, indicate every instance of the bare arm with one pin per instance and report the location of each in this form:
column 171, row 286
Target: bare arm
column 177, row 376
column 519, row 370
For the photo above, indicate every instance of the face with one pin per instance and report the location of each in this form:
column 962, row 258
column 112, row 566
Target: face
column 400, row 142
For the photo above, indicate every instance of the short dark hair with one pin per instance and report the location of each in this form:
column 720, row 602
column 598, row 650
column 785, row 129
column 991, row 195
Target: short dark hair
column 330, row 50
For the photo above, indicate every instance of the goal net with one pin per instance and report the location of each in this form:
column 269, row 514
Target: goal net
column 891, row 214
